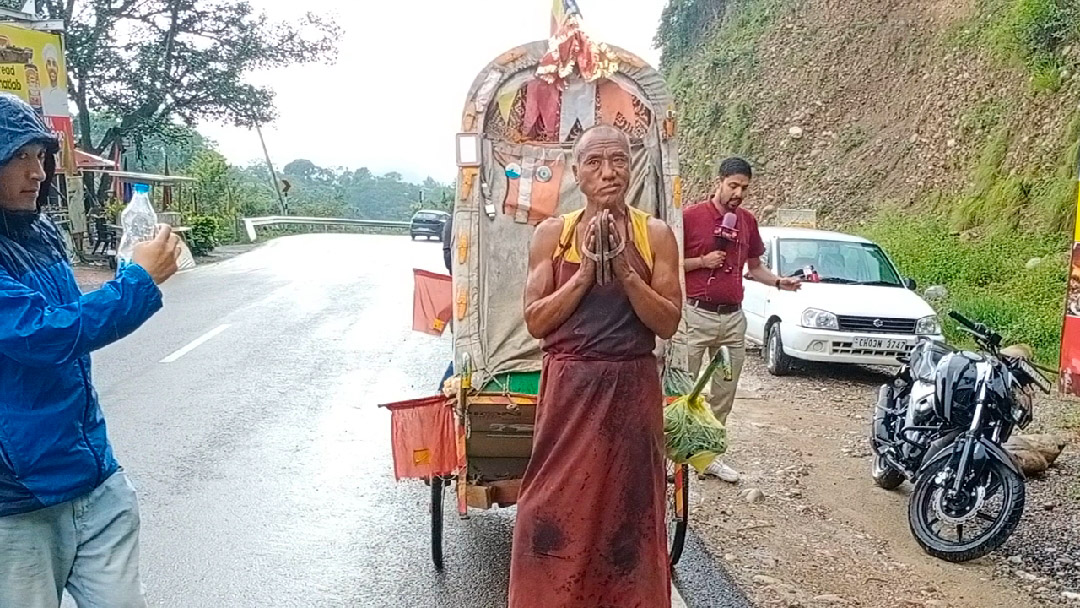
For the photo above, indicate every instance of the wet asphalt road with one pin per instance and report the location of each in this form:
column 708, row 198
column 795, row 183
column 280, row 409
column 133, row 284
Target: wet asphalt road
column 262, row 462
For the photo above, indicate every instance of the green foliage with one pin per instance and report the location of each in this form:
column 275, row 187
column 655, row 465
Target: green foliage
column 716, row 117
column 152, row 66
column 1054, row 193
column 986, row 277
column 683, row 26
column 223, row 193
column 1046, row 76
column 154, row 63
column 359, row 193
column 983, row 117
column 212, row 171
column 203, row 237
column 1037, row 29
column 113, row 211
column 1028, row 200
column 1030, row 32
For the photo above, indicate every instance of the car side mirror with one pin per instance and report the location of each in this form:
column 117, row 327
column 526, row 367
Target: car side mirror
column 910, row 284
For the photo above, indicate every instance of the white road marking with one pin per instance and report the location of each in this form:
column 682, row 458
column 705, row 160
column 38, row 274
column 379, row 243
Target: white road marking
column 676, row 599
column 195, row 343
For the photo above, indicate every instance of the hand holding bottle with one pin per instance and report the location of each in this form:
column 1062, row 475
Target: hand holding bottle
column 158, row 256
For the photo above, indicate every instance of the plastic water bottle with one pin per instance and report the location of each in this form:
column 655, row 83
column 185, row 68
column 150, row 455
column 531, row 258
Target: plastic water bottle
column 139, row 222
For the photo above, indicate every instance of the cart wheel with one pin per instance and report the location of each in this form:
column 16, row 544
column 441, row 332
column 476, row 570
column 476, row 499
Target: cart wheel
column 678, row 509
column 437, row 485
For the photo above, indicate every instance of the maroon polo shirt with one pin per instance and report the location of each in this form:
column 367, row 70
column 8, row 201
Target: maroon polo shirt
column 722, row 285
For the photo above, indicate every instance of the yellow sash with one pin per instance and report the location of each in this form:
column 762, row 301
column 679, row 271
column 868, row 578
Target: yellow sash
column 639, row 223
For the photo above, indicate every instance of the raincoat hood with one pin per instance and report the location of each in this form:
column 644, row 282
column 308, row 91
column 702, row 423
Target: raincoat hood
column 19, row 126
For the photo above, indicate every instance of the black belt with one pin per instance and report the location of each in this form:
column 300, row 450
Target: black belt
column 722, row 309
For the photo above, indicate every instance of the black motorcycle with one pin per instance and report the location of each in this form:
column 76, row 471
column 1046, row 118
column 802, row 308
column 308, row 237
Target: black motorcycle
column 941, row 424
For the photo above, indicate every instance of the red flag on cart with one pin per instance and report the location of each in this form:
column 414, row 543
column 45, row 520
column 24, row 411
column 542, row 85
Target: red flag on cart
column 422, row 438
column 433, row 302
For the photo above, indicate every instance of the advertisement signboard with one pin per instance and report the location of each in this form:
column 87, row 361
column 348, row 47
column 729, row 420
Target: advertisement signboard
column 32, row 68
column 1069, row 381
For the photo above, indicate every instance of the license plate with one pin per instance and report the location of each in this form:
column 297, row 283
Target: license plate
column 881, row 344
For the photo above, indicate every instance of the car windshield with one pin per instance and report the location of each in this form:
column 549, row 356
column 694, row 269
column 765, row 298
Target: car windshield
column 838, row 261
column 428, row 217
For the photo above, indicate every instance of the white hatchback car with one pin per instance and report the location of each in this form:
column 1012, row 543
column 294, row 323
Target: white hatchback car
column 859, row 310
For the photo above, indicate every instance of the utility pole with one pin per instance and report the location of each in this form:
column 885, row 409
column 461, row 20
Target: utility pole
column 273, row 175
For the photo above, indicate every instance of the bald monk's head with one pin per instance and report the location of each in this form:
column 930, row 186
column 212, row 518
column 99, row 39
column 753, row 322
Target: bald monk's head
column 602, row 166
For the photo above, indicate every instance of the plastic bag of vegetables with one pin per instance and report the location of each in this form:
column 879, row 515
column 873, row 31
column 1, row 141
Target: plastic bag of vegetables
column 692, row 434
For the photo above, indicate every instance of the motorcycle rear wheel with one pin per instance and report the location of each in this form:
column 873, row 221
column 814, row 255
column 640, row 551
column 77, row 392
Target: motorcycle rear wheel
column 923, row 514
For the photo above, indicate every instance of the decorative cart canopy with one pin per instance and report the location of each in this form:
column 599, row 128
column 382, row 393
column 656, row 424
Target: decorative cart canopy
column 528, row 107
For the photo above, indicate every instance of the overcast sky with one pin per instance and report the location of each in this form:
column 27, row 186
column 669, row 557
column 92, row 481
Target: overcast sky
column 393, row 99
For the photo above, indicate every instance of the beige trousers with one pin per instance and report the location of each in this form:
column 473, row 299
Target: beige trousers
column 703, row 333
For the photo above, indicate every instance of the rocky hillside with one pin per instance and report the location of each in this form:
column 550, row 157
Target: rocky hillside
column 951, row 118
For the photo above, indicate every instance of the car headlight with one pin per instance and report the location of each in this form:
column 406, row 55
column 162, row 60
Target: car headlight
column 928, row 326
column 819, row 319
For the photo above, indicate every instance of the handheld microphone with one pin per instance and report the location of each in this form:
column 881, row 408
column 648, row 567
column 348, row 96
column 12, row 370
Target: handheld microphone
column 727, row 234
column 728, row 226
column 727, row 230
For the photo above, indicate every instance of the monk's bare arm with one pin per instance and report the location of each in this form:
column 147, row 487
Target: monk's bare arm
column 659, row 304
column 546, row 308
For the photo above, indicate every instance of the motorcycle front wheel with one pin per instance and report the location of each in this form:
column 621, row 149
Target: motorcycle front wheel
column 967, row 527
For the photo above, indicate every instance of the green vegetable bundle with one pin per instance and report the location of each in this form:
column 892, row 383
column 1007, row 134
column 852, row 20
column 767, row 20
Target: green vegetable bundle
column 691, row 432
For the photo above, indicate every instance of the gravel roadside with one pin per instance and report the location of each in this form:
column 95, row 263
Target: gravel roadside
column 806, row 526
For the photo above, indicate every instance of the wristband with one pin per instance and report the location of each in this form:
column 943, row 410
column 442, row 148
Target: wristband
column 778, row 283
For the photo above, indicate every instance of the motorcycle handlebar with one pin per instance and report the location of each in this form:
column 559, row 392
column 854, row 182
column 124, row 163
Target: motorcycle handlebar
column 982, row 333
column 962, row 320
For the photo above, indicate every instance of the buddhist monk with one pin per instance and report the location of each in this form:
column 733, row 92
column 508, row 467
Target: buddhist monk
column 590, row 529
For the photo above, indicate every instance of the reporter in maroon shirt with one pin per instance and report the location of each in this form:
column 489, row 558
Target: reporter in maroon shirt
column 720, row 239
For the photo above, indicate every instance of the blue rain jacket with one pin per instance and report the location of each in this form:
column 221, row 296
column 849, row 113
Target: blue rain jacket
column 53, row 444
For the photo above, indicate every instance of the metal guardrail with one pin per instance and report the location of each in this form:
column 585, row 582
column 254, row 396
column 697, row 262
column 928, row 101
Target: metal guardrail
column 251, row 223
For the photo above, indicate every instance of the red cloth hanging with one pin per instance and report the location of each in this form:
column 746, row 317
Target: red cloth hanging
column 433, row 302
column 542, row 101
column 571, row 49
column 422, row 438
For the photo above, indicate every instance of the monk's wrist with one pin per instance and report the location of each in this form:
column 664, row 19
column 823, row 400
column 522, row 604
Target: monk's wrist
column 582, row 279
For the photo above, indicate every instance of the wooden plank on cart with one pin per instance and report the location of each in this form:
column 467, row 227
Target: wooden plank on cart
column 505, row 493
column 479, row 497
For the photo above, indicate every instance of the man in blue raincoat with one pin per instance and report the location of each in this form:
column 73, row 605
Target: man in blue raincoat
column 68, row 514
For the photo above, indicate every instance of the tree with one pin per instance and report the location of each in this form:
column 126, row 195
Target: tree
column 214, row 182
column 683, row 25
column 149, row 64
column 301, row 168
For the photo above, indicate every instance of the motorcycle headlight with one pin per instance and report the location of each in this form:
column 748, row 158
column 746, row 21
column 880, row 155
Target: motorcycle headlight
column 1018, row 414
column 928, row 326
column 1021, row 410
column 819, row 319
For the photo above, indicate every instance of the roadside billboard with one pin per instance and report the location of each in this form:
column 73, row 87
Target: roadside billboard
column 32, row 67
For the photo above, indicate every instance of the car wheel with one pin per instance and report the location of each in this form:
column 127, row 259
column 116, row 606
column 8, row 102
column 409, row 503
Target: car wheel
column 776, row 360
